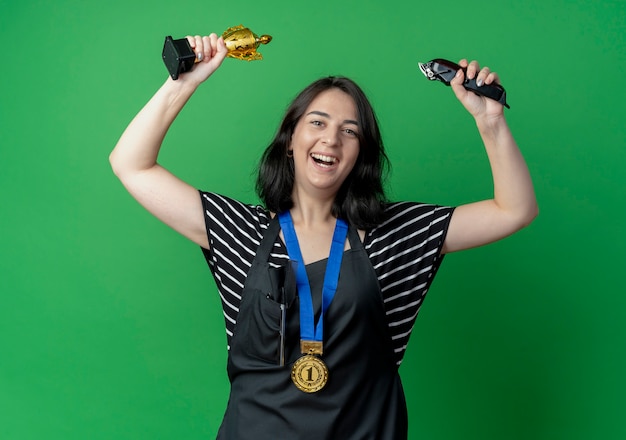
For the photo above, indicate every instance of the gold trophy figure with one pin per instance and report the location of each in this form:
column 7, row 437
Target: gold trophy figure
column 241, row 43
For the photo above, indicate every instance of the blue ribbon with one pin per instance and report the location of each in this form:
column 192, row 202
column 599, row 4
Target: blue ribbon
column 308, row 330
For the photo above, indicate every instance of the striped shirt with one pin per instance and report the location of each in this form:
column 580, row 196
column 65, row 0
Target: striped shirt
column 405, row 251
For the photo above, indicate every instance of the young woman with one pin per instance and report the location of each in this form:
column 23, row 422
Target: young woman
column 321, row 285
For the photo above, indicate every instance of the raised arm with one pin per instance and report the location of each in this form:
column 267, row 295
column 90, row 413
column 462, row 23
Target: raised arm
column 134, row 158
column 513, row 205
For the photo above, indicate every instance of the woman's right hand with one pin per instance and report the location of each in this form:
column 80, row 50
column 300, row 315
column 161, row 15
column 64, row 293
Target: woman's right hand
column 210, row 52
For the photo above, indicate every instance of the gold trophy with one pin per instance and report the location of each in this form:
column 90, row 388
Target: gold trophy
column 241, row 43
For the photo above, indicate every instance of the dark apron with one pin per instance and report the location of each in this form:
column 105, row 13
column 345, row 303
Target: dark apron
column 363, row 398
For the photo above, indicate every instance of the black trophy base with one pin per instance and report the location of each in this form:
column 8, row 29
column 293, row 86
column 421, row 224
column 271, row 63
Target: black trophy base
column 178, row 56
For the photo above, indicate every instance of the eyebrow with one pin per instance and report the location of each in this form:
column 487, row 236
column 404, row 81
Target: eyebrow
column 326, row 115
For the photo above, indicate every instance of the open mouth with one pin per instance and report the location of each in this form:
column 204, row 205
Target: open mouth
column 323, row 160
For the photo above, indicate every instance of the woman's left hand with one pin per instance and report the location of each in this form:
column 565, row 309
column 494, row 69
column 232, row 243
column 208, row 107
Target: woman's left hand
column 478, row 106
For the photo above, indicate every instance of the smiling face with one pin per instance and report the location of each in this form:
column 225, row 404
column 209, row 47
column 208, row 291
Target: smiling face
column 325, row 144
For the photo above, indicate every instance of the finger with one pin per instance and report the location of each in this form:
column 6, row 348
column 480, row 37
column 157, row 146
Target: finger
column 207, row 51
column 458, row 78
column 472, row 69
column 198, row 47
column 492, row 78
column 221, row 46
column 482, row 75
column 213, row 41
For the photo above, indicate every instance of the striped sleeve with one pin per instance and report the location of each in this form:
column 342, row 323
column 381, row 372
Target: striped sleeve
column 234, row 230
column 405, row 251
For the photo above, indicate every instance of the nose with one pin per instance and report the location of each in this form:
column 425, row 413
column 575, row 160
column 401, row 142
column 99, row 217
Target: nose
column 330, row 137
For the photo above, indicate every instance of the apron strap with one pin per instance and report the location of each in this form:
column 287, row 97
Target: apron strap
column 354, row 238
column 273, row 228
column 269, row 237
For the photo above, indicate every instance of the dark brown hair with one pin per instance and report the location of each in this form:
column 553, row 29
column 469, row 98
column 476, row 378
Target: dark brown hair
column 361, row 198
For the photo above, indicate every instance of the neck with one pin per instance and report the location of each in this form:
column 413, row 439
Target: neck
column 308, row 211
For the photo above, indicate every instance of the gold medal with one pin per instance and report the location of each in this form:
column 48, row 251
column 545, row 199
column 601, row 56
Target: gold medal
column 309, row 374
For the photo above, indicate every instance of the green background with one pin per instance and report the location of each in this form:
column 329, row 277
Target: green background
column 110, row 324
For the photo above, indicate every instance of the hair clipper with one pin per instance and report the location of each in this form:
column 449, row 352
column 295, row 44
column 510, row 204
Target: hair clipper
column 444, row 71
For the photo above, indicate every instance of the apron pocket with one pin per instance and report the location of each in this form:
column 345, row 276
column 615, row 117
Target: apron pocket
column 258, row 326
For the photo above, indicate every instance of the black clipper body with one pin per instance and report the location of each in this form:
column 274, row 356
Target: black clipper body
column 444, row 71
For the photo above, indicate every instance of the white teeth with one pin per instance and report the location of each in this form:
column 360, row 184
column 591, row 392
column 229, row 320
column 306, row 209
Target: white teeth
column 321, row 157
